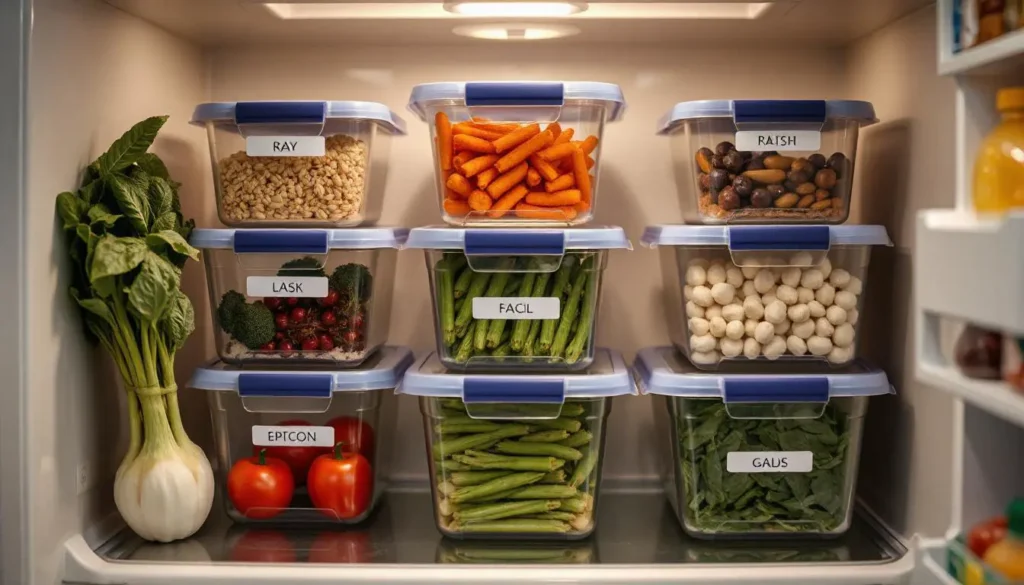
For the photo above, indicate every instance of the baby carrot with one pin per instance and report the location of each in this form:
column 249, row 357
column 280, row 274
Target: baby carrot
column 515, row 138
column 546, row 170
column 507, row 181
column 565, row 136
column 588, row 145
column 532, row 177
column 495, row 126
column 460, row 159
column 467, row 128
column 581, row 207
column 459, row 184
column 557, row 151
column 485, row 178
column 590, row 162
column 444, row 140
column 508, row 201
column 556, row 199
column 479, row 164
column 566, row 181
column 467, row 142
column 527, row 211
column 479, row 201
column 555, row 129
column 579, row 168
column 523, row 151
column 456, row 207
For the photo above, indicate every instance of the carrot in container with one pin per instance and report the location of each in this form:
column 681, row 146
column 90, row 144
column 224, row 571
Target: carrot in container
column 507, row 201
column 579, row 168
column 523, row 151
column 555, row 129
column 563, row 182
column 590, row 162
column 495, row 126
column 565, row 136
column 459, row 184
column 533, row 177
column 568, row 197
column 546, row 170
column 484, row 178
column 444, row 140
column 516, row 137
column 581, row 207
column 588, row 145
column 556, row 152
column 505, row 182
column 479, row 201
column 460, row 159
column 478, row 165
column 456, row 207
column 527, row 211
column 470, row 129
column 467, row 142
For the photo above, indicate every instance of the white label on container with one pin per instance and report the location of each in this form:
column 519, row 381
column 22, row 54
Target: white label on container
column 285, row 146
column 769, row 462
column 292, row 436
column 517, row 308
column 286, row 286
column 758, row 140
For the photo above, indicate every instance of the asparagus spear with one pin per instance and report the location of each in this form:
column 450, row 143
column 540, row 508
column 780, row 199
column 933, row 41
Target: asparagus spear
column 583, row 468
column 566, row 424
column 550, row 449
column 544, row 464
column 446, row 299
column 476, row 288
column 505, row 510
column 556, row 476
column 448, row 466
column 464, row 478
column 577, row 505
column 462, row 282
column 586, row 320
column 460, row 444
column 450, row 427
column 543, row 492
column 569, row 312
column 546, row 436
column 473, row 492
column 465, row 347
column 556, row 515
column 498, row 325
column 496, row 288
column 572, row 409
column 514, row 525
column 547, row 329
column 577, row 439
column 502, row 350
column 524, row 326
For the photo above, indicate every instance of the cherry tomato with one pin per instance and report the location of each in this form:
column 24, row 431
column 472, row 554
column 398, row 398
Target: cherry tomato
column 985, row 535
column 328, row 318
column 357, row 321
column 326, row 343
column 350, row 337
column 298, row 459
column 330, row 300
column 298, row 315
column 356, row 434
column 353, row 546
column 272, row 303
column 341, row 484
column 286, row 346
column 292, row 301
column 263, row 546
column 260, row 487
column 281, row 320
column 269, row 346
column 310, row 344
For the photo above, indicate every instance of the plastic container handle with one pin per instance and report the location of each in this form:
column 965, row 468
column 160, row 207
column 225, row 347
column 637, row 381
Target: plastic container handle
column 281, row 242
column 779, row 112
column 285, row 385
column 512, row 391
column 510, row 242
column 776, row 390
column 789, row 237
column 514, row 94
column 280, row 112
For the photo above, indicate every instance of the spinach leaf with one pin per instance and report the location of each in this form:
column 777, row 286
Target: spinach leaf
column 130, row 146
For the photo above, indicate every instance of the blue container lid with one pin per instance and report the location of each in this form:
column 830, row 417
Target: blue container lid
column 518, row 241
column 663, row 371
column 297, row 240
column 607, row 376
column 519, row 93
column 223, row 113
column 383, row 371
column 859, row 111
column 764, row 236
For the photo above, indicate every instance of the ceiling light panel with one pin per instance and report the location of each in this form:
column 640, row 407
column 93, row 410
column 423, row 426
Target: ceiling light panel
column 560, row 10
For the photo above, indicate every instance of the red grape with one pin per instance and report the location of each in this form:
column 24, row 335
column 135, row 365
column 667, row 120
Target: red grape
column 269, row 346
column 328, row 318
column 272, row 303
column 326, row 343
column 310, row 344
column 281, row 321
column 330, row 300
column 351, row 337
column 298, row 315
column 292, row 301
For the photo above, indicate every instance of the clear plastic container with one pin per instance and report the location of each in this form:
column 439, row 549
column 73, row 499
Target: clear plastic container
column 516, row 299
column 312, row 296
column 516, row 457
column 969, row 569
column 296, row 420
column 751, row 455
column 502, row 149
column 765, row 161
column 764, row 292
column 298, row 163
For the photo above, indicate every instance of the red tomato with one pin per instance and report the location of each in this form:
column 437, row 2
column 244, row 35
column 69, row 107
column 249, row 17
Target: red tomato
column 341, row 547
column 263, row 546
column 341, row 484
column 260, row 487
column 986, row 534
column 356, row 434
column 298, row 458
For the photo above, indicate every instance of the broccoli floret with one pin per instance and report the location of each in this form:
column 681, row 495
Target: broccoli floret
column 353, row 282
column 307, row 266
column 229, row 305
column 254, row 325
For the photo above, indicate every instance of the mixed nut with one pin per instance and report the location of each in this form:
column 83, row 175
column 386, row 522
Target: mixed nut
column 768, row 184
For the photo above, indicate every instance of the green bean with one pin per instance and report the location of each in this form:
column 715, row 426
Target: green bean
column 450, row 427
column 515, row 525
column 549, row 449
column 566, row 424
column 544, row 464
column 577, row 439
column 505, row 510
column 545, row 437
column 583, row 468
column 464, row 478
column 494, row 486
column 459, row 444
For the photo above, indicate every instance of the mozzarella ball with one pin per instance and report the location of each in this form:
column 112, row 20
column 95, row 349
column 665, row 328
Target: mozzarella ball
column 825, row 295
column 791, row 276
column 812, row 279
column 764, row 332
column 731, row 347
column 703, row 343
column 783, row 328
column 846, row 300
column 804, row 295
column 696, row 275
column 839, row 278
column 786, row 294
column 749, row 290
column 749, row 272
column 855, row 286
column 702, row 296
column 801, row 259
column 843, row 335
column 733, row 312
column 733, row 330
column 764, row 281
column 750, row 327
column 817, row 309
column 705, row 357
column 734, row 276
column 753, row 308
column 723, row 293
column 694, row 310
column 717, row 326
column 798, row 313
column 840, row 355
column 803, row 330
column 716, row 274
column 751, row 348
column 775, row 348
column 822, row 328
column 712, row 312
column 819, row 345
column 688, row 292
column 775, row 313
column 769, row 298
column 796, row 345
column 852, row 316
column 825, row 267
column 699, row 326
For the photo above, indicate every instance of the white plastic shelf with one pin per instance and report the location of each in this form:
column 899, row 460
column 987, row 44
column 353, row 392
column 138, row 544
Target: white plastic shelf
column 995, row 397
column 1003, row 54
column 931, row 564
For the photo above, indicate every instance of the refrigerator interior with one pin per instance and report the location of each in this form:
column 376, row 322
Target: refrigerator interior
column 89, row 69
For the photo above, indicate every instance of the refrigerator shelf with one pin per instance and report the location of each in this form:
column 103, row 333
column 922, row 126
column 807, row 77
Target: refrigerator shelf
column 995, row 397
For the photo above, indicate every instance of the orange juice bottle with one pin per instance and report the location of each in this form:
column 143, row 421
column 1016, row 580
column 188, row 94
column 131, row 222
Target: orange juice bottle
column 1006, row 557
column 999, row 168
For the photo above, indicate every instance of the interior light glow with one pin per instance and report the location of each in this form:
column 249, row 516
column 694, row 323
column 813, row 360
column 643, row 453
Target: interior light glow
column 470, row 9
column 514, row 9
column 516, row 32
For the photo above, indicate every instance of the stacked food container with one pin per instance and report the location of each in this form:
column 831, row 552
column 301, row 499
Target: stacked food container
column 515, row 397
column 763, row 289
column 300, row 292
